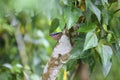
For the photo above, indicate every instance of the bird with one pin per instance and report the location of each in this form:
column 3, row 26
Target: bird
column 56, row 36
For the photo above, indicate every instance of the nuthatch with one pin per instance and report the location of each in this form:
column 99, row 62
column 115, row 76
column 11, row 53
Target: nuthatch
column 56, row 36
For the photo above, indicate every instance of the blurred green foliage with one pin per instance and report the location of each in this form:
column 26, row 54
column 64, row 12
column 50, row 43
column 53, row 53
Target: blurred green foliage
column 35, row 17
column 34, row 28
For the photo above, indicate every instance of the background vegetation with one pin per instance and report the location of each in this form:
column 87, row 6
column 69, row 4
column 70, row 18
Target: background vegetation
column 25, row 44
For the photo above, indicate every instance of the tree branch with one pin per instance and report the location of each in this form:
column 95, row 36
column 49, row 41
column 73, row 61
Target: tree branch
column 20, row 42
column 59, row 56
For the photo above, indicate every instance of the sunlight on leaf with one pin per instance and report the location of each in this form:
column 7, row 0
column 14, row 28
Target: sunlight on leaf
column 105, row 53
column 71, row 16
column 87, row 27
column 54, row 25
column 91, row 40
column 65, row 75
column 105, row 27
column 6, row 28
column 94, row 9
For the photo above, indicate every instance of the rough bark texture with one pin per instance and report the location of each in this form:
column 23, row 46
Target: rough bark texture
column 59, row 56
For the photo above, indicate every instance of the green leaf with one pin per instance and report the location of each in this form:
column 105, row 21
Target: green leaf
column 54, row 25
column 7, row 28
column 105, row 16
column 87, row 27
column 71, row 64
column 109, row 37
column 105, row 27
column 116, row 49
column 91, row 61
column 115, row 26
column 94, row 9
column 62, row 22
column 91, row 40
column 77, row 49
column 71, row 16
column 104, row 2
column 65, row 2
column 105, row 53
